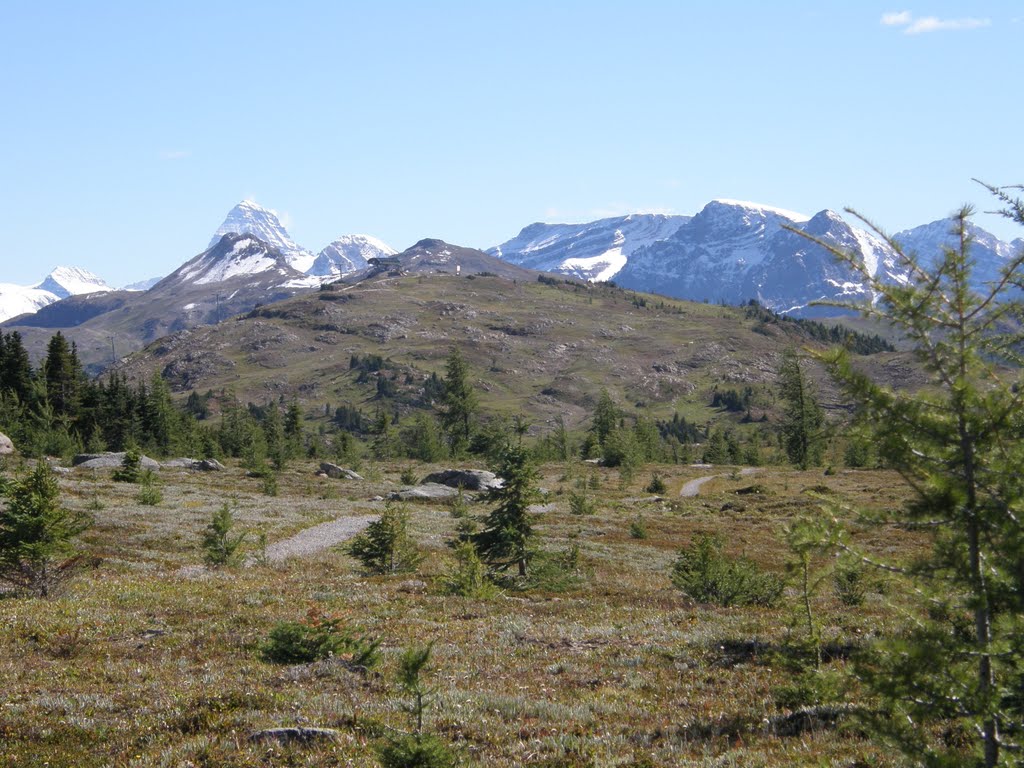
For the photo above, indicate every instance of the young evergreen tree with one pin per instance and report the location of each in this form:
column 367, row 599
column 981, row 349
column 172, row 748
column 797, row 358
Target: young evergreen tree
column 606, row 417
column 803, row 420
column 36, row 534
column 459, row 403
column 959, row 443
column 386, row 546
column 505, row 539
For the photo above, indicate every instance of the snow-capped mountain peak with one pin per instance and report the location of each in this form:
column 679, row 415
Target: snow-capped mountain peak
column 61, row 283
column 72, row 281
column 349, row 253
column 251, row 218
column 763, row 209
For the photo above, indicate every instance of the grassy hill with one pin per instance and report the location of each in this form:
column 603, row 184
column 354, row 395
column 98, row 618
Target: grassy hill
column 544, row 348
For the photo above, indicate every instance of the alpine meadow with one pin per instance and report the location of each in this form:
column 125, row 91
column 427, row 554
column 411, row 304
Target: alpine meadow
column 519, row 434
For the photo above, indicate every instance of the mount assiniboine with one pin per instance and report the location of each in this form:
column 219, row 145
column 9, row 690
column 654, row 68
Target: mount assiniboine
column 349, row 253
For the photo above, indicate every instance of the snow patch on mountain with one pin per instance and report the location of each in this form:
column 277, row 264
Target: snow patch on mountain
column 592, row 251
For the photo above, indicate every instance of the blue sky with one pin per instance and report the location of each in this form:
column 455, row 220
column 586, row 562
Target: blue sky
column 129, row 129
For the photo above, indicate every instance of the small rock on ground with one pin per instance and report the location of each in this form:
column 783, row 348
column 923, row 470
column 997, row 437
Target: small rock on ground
column 296, row 735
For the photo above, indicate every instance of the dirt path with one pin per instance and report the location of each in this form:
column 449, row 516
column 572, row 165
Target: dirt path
column 692, row 488
column 318, row 537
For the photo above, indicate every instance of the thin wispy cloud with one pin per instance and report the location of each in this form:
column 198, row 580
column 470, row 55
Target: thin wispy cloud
column 915, row 26
column 896, row 18
column 174, row 154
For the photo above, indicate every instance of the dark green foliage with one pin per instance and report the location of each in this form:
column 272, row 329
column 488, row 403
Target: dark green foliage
column 423, row 439
column 433, row 389
column 63, row 375
column 507, row 532
column 858, row 343
column 317, row 638
column 850, row 583
column 416, row 749
column 459, row 403
column 657, row 485
column 149, row 494
column 638, row 528
column 803, row 420
column 606, row 417
column 705, row 574
column 350, row 419
column 680, row 429
column 409, row 750
column 554, row 571
column 367, row 364
column 959, row 441
column 37, row 553
column 130, row 470
column 581, row 503
column 732, row 400
column 15, row 368
column 386, row 546
column 468, row 576
column 222, row 546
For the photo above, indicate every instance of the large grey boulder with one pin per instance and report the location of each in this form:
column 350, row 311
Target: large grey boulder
column 208, row 465
column 109, row 461
column 6, row 446
column 468, row 479
column 426, row 492
column 333, row 470
column 200, row 465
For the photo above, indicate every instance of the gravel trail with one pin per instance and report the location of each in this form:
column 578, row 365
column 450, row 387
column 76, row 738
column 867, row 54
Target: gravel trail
column 692, row 488
column 318, row 537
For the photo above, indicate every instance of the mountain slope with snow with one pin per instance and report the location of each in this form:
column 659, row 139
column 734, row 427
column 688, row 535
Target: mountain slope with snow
column 347, row 254
column 990, row 254
column 19, row 300
column 251, row 218
column 61, row 283
column 72, row 281
column 593, row 251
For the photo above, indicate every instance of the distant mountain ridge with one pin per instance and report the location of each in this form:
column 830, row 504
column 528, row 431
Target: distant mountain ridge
column 734, row 251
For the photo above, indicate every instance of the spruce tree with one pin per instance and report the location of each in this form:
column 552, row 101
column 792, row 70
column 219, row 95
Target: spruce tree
column 803, row 420
column 37, row 553
column 507, row 534
column 958, row 668
column 459, row 403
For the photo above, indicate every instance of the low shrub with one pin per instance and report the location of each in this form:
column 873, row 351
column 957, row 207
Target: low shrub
column 468, row 576
column 316, row 638
column 705, row 574
column 657, row 485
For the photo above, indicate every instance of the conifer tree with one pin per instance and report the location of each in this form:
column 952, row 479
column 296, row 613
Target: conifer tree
column 505, row 539
column 959, row 443
column 36, row 534
column 803, row 419
column 459, row 403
